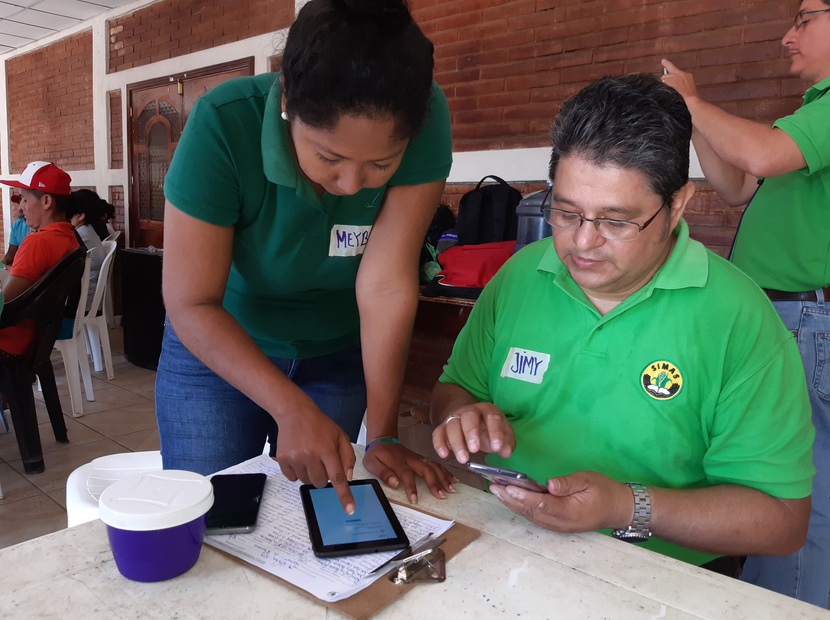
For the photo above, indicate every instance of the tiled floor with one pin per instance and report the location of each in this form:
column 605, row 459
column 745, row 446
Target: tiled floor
column 122, row 418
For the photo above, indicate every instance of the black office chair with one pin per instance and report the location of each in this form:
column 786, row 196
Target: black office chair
column 47, row 302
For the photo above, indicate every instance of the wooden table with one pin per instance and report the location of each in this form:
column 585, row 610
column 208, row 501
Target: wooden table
column 514, row 570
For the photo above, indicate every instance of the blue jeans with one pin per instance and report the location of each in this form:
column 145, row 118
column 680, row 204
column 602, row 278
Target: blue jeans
column 805, row 574
column 205, row 424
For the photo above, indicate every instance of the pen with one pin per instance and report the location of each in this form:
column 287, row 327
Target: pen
column 401, row 555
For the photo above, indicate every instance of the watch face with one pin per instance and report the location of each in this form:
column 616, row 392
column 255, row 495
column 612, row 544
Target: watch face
column 629, row 536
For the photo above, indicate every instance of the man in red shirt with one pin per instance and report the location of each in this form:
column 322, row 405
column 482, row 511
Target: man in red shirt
column 45, row 194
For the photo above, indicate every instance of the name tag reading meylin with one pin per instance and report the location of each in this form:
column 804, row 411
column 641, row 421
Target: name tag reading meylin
column 348, row 240
column 525, row 365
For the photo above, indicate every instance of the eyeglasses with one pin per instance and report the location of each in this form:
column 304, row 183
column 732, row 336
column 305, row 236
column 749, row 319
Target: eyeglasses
column 799, row 22
column 613, row 230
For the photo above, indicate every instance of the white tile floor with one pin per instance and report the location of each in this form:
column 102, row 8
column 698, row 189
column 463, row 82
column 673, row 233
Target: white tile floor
column 122, row 418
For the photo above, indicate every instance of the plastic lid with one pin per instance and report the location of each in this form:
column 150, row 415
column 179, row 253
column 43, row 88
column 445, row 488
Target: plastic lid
column 155, row 500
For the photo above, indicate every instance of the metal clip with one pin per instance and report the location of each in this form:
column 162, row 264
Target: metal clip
column 428, row 567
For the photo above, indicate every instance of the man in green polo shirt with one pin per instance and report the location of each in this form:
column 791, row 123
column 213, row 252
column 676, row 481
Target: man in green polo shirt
column 783, row 243
column 644, row 379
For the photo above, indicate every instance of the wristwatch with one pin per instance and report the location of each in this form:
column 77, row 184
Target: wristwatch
column 639, row 530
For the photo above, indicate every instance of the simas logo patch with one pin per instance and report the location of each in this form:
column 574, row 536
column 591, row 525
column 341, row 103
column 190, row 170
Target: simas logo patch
column 662, row 380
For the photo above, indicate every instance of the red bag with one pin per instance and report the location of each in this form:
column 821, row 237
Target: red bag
column 472, row 266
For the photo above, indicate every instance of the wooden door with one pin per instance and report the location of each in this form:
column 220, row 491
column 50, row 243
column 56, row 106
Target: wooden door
column 158, row 112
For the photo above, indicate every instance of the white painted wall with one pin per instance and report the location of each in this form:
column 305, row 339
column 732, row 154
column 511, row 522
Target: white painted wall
column 519, row 165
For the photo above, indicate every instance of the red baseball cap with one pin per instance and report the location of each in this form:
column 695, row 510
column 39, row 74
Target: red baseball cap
column 43, row 176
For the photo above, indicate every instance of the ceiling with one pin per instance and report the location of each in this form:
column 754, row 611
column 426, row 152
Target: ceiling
column 25, row 21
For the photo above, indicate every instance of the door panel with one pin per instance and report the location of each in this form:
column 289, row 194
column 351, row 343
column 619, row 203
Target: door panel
column 158, row 111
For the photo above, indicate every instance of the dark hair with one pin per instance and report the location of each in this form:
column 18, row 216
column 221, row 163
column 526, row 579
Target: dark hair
column 92, row 206
column 360, row 57
column 633, row 122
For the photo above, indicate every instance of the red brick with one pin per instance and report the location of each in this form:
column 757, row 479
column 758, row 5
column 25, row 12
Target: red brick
column 755, row 89
column 750, row 52
column 195, row 24
column 591, row 72
column 763, row 69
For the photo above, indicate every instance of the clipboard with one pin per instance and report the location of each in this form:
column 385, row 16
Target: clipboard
column 382, row 592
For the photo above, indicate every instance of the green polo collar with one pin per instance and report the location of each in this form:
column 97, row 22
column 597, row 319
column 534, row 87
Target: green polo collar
column 686, row 267
column 817, row 91
column 277, row 155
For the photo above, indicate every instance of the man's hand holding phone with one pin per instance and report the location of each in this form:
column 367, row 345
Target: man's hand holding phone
column 506, row 477
column 583, row 501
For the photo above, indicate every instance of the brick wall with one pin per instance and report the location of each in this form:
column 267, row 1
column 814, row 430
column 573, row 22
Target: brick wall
column 116, row 140
column 178, row 27
column 507, row 65
column 116, row 199
column 50, row 105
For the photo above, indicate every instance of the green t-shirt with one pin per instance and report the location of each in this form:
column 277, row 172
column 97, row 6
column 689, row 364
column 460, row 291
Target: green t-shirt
column 295, row 255
column 783, row 241
column 691, row 382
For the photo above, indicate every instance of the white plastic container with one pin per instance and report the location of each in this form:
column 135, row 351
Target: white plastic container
column 156, row 522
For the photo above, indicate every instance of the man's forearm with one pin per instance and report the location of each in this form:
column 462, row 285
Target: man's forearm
column 732, row 184
column 757, row 149
column 729, row 520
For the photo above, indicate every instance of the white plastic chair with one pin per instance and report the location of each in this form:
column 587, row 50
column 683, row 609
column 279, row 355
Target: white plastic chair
column 108, row 307
column 85, row 485
column 73, row 351
column 96, row 321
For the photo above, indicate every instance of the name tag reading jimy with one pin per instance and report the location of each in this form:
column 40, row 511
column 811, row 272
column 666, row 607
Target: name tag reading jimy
column 348, row 240
column 525, row 365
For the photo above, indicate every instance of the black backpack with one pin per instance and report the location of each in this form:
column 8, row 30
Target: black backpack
column 443, row 220
column 488, row 213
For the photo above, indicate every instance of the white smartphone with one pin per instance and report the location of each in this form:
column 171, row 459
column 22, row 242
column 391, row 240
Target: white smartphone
column 499, row 475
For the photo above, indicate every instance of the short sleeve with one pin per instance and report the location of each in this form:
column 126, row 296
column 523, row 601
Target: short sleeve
column 762, row 434
column 201, row 181
column 472, row 354
column 809, row 127
column 31, row 261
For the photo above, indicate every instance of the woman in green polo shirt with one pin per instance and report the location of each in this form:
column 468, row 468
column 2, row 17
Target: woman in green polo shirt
column 296, row 207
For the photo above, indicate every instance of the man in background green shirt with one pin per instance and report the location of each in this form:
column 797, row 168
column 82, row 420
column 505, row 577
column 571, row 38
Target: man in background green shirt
column 783, row 243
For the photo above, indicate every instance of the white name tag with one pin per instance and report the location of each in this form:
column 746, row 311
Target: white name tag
column 525, row 365
column 348, row 240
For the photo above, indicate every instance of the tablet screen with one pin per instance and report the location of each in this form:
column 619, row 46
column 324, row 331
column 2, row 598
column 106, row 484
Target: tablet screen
column 373, row 527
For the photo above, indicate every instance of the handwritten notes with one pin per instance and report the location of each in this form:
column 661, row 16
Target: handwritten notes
column 280, row 544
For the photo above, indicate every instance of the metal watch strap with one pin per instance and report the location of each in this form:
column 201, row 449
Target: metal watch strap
column 639, row 530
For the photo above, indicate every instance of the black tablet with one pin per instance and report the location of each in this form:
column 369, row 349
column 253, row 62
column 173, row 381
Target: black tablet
column 373, row 527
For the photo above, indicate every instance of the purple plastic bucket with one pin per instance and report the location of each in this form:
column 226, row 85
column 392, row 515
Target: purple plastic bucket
column 156, row 522
column 158, row 554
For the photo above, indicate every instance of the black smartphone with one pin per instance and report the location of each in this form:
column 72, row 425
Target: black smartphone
column 372, row 528
column 500, row 475
column 236, row 500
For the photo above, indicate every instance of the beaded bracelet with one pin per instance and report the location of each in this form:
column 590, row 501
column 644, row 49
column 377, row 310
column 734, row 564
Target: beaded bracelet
column 382, row 440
